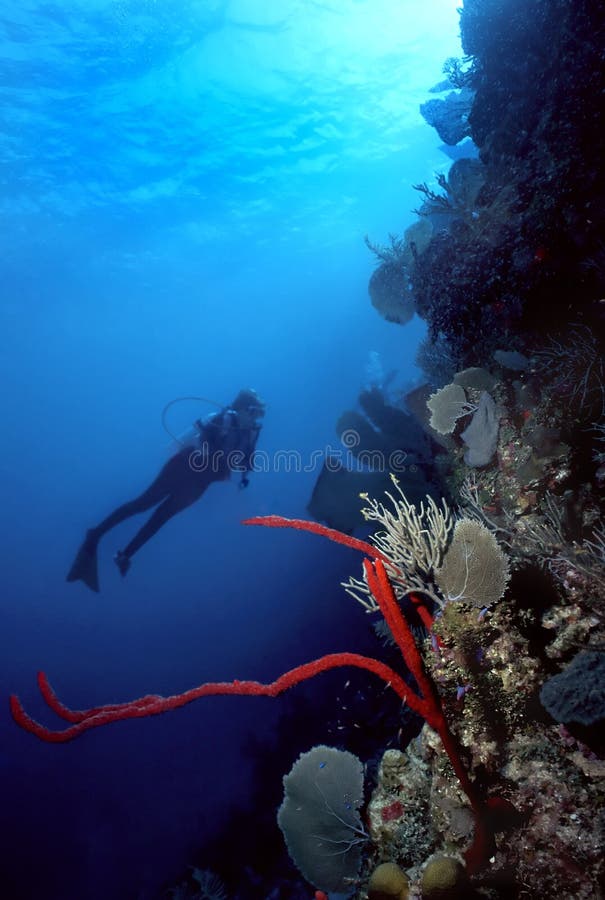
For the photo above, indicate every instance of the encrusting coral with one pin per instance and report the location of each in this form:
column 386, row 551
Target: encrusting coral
column 444, row 878
column 388, row 882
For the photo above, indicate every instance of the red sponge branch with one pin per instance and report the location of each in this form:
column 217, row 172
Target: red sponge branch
column 315, row 528
column 430, row 704
column 153, row 705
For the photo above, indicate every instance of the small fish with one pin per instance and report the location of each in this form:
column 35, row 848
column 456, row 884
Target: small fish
column 541, row 254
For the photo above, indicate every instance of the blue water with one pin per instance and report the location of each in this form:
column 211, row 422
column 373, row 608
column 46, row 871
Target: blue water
column 185, row 191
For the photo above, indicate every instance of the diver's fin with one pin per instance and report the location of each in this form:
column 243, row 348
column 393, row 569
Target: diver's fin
column 84, row 567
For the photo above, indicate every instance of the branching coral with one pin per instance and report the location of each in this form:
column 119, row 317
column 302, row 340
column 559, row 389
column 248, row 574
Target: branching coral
column 412, row 541
column 459, row 76
column 459, row 201
column 392, row 254
column 543, row 536
column 574, row 368
column 599, row 452
column 436, row 360
column 422, row 558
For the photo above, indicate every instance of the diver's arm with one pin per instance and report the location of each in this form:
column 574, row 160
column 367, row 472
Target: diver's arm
column 252, row 439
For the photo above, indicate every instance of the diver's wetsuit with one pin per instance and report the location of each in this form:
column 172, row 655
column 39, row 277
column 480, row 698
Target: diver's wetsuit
column 184, row 478
column 178, row 485
column 181, row 481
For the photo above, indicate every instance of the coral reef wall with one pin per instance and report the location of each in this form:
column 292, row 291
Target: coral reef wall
column 528, row 236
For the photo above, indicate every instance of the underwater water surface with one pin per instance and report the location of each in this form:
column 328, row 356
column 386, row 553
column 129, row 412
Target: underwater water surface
column 186, row 188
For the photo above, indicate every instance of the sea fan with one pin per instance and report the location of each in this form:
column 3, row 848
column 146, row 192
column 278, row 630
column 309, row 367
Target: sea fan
column 211, row 886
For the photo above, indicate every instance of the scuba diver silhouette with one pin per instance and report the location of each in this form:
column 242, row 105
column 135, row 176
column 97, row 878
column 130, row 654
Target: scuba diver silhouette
column 216, row 446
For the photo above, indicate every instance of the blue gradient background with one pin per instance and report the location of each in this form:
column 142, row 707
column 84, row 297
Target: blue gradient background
column 185, row 189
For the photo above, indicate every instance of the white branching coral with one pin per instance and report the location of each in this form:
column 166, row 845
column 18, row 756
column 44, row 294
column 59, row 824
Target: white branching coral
column 432, row 552
column 414, row 540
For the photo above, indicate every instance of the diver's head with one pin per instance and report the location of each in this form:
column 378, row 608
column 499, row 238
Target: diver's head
column 249, row 404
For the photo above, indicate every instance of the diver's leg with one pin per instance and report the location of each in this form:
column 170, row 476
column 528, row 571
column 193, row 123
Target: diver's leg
column 172, row 505
column 84, row 567
column 151, row 497
column 168, row 477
